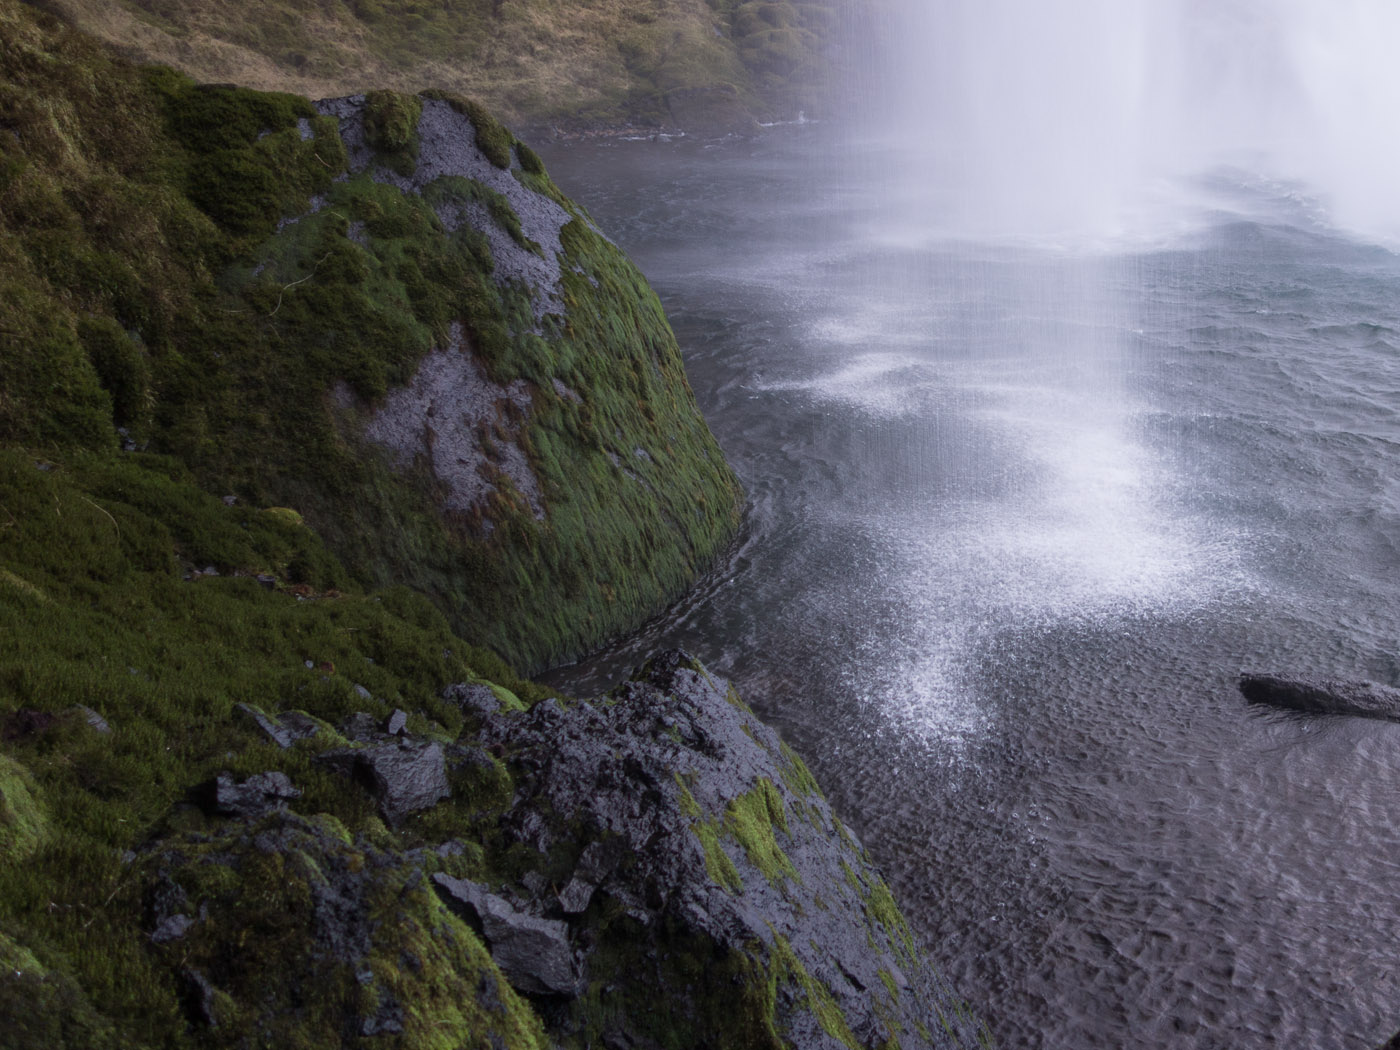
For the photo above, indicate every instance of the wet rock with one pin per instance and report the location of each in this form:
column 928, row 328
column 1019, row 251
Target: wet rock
column 403, row 777
column 1322, row 696
column 473, row 698
column 533, row 953
column 171, row 928
column 597, row 863
column 197, row 996
column 252, row 798
column 706, row 839
column 283, row 729
column 95, row 721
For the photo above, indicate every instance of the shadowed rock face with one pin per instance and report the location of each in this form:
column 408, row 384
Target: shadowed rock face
column 717, row 897
column 1322, row 696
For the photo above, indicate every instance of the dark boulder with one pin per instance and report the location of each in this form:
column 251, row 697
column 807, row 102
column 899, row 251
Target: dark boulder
column 1322, row 696
column 473, row 698
column 254, row 797
column 404, row 776
column 705, row 880
column 534, row 954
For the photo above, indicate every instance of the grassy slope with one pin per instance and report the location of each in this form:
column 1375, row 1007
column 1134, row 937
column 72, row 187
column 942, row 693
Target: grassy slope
column 147, row 284
column 122, row 305
column 532, row 60
column 95, row 611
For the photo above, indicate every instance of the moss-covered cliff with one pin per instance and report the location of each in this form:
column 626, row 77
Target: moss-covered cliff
column 699, row 63
column 380, row 313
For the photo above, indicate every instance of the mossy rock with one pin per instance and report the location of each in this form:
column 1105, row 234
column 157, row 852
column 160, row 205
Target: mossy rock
column 366, row 952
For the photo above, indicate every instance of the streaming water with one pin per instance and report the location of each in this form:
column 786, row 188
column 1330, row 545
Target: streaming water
column 1045, row 441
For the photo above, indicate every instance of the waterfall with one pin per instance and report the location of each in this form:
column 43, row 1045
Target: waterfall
column 1085, row 116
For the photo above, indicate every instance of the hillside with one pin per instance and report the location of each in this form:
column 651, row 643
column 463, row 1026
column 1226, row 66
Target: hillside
column 441, row 366
column 694, row 63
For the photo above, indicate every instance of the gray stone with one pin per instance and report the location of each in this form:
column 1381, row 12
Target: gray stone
column 396, row 723
column 171, row 928
column 363, row 693
column 282, row 729
column 92, row 718
column 198, row 998
column 387, row 1019
column 597, row 863
column 252, row 798
column 575, row 897
column 403, row 777
column 1323, row 696
column 533, row 953
column 361, row 726
column 270, row 726
column 299, row 724
column 473, row 698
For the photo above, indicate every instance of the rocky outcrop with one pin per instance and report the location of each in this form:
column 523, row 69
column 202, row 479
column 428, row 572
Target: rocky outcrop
column 1322, row 696
column 660, row 870
column 549, row 421
column 290, row 931
column 687, row 848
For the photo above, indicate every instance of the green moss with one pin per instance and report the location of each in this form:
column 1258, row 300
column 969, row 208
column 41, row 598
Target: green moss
column 149, row 279
column 797, row 776
column 408, row 958
column 881, row 908
column 391, row 128
column 717, row 863
column 751, row 820
column 729, row 998
column 887, row 979
column 529, row 159
column 43, row 1008
column 786, row 966
column 21, row 816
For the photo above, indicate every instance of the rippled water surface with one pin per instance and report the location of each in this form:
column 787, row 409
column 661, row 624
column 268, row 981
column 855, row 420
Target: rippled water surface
column 1020, row 513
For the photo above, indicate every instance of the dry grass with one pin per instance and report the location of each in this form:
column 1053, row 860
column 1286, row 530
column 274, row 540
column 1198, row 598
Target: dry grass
column 532, row 61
